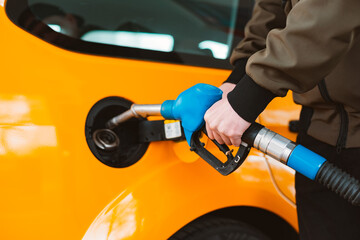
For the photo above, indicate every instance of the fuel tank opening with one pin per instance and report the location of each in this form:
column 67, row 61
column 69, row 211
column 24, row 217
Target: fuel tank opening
column 121, row 145
column 106, row 139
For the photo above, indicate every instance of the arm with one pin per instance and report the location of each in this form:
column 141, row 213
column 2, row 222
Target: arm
column 267, row 15
column 316, row 37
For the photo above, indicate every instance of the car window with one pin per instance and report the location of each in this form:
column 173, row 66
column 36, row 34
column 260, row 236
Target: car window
column 195, row 32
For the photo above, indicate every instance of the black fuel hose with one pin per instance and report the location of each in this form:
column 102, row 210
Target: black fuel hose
column 340, row 182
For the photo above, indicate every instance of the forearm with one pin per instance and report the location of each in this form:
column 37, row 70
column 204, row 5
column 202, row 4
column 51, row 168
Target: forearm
column 317, row 35
column 267, row 15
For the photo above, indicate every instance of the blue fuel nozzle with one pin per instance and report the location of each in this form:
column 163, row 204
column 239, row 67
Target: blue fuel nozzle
column 190, row 107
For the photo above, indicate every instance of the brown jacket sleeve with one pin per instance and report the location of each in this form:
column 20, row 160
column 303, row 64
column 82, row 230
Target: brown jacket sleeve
column 267, row 15
column 317, row 35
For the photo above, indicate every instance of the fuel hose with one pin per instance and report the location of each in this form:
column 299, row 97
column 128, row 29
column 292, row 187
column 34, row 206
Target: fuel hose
column 304, row 161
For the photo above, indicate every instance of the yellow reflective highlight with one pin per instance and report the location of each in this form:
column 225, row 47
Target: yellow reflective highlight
column 23, row 140
column 116, row 223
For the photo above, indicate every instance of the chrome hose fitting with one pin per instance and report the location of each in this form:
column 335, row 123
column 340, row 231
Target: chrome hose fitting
column 274, row 145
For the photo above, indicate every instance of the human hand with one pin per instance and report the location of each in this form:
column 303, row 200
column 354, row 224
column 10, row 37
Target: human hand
column 226, row 88
column 223, row 124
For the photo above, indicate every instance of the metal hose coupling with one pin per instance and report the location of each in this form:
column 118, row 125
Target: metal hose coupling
column 274, row 145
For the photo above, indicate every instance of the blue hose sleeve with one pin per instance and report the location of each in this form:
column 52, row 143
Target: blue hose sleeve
column 305, row 161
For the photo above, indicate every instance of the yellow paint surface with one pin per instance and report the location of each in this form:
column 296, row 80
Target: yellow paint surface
column 52, row 187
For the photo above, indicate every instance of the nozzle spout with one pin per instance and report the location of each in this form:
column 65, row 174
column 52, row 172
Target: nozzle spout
column 135, row 111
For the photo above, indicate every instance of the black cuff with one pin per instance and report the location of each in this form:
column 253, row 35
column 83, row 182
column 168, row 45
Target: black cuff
column 249, row 99
column 238, row 71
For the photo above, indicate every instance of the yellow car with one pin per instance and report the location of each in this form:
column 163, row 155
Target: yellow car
column 69, row 66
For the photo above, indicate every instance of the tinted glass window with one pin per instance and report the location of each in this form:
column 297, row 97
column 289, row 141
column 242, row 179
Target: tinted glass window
column 197, row 32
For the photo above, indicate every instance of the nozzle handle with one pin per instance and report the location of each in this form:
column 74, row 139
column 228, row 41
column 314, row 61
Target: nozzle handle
column 232, row 162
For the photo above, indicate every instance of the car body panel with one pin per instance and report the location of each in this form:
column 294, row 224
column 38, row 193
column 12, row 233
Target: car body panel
column 186, row 191
column 52, row 185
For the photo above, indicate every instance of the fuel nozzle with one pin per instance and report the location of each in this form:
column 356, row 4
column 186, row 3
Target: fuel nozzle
column 106, row 139
column 135, row 111
column 189, row 107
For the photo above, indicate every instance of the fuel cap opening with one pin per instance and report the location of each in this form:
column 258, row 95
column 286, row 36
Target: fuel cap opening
column 119, row 147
